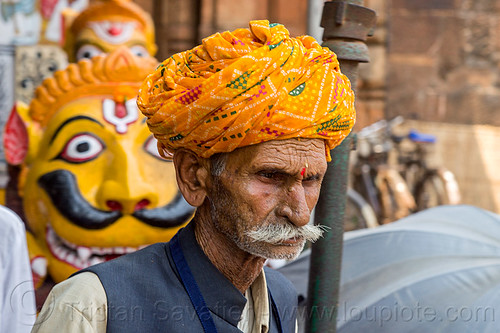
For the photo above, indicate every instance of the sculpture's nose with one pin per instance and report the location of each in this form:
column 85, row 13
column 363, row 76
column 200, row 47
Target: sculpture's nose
column 124, row 189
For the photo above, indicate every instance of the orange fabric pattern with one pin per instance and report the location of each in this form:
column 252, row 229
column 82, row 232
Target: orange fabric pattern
column 245, row 87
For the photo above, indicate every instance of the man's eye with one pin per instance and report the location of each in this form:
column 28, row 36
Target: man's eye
column 312, row 178
column 272, row 175
column 81, row 148
column 266, row 174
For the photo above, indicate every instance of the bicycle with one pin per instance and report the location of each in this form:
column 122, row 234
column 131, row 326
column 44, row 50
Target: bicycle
column 430, row 186
column 394, row 189
column 378, row 182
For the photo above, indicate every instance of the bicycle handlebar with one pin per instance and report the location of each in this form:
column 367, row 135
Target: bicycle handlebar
column 383, row 124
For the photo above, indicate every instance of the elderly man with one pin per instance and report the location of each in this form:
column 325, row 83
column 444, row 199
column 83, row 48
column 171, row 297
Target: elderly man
column 249, row 118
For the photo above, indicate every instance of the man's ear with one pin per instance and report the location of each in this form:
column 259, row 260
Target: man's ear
column 192, row 174
column 21, row 136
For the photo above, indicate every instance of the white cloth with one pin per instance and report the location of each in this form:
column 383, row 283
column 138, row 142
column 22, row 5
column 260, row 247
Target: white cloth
column 17, row 295
column 78, row 304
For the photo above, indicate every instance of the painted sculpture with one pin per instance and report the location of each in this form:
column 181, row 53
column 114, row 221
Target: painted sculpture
column 90, row 179
column 106, row 25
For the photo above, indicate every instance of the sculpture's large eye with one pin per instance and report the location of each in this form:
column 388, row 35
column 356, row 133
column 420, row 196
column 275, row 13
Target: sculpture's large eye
column 81, row 148
column 87, row 52
column 151, row 146
column 139, row 51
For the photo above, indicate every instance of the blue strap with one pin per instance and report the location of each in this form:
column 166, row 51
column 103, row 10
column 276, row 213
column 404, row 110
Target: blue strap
column 191, row 287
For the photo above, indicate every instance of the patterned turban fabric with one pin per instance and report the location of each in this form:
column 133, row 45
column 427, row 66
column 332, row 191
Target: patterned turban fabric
column 246, row 87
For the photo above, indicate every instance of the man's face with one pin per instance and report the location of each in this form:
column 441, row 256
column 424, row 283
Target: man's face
column 269, row 188
column 97, row 188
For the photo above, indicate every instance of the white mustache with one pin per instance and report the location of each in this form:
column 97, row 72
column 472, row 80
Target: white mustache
column 276, row 233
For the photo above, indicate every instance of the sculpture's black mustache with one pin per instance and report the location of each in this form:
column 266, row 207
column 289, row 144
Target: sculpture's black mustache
column 168, row 216
column 61, row 187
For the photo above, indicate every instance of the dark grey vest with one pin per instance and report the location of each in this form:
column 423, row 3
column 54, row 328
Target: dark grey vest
column 145, row 294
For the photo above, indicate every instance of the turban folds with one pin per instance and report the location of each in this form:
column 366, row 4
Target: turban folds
column 246, row 87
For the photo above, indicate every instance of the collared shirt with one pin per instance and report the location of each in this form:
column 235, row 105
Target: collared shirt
column 67, row 309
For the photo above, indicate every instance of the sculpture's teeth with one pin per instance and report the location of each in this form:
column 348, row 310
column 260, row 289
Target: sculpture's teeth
column 76, row 255
column 96, row 260
column 120, row 250
column 96, row 250
column 72, row 259
column 39, row 266
column 130, row 249
column 84, row 253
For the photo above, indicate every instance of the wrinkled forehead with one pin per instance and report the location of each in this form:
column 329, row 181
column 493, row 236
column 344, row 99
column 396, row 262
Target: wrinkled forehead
column 281, row 153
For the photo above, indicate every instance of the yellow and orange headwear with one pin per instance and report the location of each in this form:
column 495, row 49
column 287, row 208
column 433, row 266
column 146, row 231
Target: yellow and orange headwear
column 245, row 87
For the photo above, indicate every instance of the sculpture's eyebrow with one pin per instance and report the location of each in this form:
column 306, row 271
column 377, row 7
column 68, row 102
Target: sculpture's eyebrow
column 69, row 120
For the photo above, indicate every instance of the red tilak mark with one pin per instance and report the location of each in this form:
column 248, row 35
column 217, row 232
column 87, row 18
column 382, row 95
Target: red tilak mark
column 303, row 172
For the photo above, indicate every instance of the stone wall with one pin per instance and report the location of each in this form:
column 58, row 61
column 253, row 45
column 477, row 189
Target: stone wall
column 449, row 51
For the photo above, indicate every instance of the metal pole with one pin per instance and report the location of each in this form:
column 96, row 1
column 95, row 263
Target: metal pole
column 314, row 28
column 347, row 24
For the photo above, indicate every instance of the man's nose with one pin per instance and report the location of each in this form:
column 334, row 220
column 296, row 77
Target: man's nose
column 294, row 205
column 124, row 189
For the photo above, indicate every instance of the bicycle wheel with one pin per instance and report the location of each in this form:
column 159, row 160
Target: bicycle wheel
column 358, row 213
column 438, row 187
column 395, row 197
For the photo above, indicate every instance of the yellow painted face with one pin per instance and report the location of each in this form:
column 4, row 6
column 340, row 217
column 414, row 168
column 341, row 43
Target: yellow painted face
column 104, row 36
column 96, row 187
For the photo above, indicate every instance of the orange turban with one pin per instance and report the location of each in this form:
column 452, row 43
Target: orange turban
column 246, row 87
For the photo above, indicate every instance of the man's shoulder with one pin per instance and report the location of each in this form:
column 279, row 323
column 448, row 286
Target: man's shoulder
column 77, row 304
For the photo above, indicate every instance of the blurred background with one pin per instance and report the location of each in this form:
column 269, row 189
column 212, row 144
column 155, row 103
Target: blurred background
column 434, row 62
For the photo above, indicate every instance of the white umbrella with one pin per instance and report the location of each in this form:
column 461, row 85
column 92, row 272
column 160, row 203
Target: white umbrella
column 434, row 271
